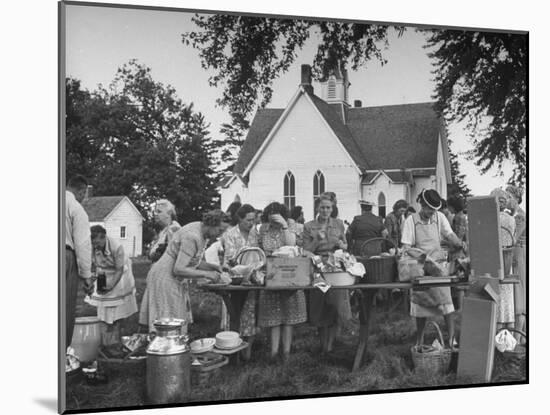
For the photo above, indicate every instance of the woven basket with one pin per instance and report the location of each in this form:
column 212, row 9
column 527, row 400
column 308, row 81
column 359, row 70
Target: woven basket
column 380, row 269
column 433, row 362
column 512, row 363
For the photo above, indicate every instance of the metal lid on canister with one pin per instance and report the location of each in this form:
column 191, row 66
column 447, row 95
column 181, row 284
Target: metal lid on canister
column 168, row 345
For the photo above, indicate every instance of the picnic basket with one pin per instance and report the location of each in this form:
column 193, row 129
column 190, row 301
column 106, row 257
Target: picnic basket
column 379, row 269
column 431, row 361
column 210, row 364
column 513, row 362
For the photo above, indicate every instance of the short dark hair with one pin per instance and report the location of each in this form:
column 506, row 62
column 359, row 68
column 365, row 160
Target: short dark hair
column 400, row 204
column 366, row 207
column 457, row 203
column 410, row 209
column 215, row 217
column 296, row 212
column 272, row 209
column 77, row 182
column 97, row 230
column 245, row 210
column 232, row 212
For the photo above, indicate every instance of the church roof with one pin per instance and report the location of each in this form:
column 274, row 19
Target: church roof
column 99, row 207
column 377, row 138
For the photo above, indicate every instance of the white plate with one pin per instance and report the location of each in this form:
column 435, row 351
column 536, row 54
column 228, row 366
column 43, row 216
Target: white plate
column 230, row 348
column 202, row 345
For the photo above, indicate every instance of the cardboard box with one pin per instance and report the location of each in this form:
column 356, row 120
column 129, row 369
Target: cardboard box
column 288, row 272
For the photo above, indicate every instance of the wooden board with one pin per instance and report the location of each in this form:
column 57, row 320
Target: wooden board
column 484, row 236
column 477, row 339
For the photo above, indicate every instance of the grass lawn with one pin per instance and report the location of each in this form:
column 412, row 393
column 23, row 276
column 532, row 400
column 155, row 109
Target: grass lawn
column 388, row 364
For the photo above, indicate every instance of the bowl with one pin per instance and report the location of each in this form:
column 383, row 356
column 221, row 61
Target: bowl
column 202, row 345
column 227, row 339
column 339, row 279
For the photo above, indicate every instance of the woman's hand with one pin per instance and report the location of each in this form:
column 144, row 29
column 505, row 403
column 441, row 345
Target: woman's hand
column 208, row 266
column 212, row 276
column 277, row 218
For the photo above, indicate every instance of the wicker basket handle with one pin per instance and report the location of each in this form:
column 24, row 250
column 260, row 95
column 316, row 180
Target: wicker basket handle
column 521, row 333
column 440, row 335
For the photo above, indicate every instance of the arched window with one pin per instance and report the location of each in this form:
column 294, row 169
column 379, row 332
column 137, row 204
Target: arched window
column 289, row 194
column 318, row 187
column 381, row 205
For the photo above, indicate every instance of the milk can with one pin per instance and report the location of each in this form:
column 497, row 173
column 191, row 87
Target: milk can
column 168, row 363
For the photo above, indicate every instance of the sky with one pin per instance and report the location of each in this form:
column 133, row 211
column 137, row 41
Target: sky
column 100, row 40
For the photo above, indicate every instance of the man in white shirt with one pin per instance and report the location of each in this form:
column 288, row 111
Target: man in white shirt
column 78, row 249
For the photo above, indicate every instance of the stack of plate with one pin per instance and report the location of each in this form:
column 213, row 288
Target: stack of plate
column 227, row 340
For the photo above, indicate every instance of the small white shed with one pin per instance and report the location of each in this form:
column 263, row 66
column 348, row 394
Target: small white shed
column 120, row 218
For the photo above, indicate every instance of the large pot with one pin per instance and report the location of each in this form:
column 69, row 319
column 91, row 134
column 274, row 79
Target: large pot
column 86, row 338
column 168, row 363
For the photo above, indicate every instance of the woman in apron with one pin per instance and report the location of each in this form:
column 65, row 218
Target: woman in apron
column 425, row 230
column 115, row 292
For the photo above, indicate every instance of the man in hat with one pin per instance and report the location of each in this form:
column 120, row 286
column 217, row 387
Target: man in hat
column 364, row 227
column 426, row 230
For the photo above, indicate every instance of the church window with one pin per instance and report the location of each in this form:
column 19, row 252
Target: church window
column 289, row 194
column 318, row 187
column 381, row 205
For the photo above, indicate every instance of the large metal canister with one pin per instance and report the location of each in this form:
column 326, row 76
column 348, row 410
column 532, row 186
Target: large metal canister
column 168, row 363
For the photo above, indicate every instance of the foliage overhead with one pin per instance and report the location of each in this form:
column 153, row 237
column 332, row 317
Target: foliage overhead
column 481, row 78
column 137, row 138
column 248, row 53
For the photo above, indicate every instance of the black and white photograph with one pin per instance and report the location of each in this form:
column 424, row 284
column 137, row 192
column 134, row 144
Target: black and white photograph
column 260, row 206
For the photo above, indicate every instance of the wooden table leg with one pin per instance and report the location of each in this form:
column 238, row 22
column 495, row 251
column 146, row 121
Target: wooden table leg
column 365, row 315
column 234, row 303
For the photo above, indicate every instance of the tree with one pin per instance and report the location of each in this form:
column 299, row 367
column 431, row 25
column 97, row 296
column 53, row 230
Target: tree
column 481, row 77
column 458, row 185
column 248, row 53
column 141, row 141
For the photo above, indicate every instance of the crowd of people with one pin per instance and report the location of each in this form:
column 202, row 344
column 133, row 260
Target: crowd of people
column 201, row 250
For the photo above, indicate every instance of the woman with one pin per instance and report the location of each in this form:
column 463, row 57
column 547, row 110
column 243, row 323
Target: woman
column 459, row 225
column 115, row 292
column 232, row 212
column 327, row 311
column 506, row 313
column 425, row 230
column 234, row 240
column 165, row 218
column 278, row 310
column 516, row 194
column 394, row 221
column 296, row 223
column 167, row 292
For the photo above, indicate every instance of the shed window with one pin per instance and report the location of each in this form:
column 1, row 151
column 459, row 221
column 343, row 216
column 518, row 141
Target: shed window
column 381, row 205
column 123, row 232
column 289, row 192
column 318, row 188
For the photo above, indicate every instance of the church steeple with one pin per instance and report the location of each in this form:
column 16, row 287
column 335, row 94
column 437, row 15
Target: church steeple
column 335, row 83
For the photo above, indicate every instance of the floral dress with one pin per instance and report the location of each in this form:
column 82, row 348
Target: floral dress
column 167, row 295
column 233, row 243
column 278, row 307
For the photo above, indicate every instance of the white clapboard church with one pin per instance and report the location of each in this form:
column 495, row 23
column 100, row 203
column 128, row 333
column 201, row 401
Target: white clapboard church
column 120, row 218
column 321, row 143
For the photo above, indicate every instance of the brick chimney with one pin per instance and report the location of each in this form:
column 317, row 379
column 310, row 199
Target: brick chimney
column 306, row 79
column 357, row 104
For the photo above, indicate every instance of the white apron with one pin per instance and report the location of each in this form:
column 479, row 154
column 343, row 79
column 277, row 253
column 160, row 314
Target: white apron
column 433, row 301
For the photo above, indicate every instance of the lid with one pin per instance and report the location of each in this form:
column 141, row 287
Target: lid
column 86, row 320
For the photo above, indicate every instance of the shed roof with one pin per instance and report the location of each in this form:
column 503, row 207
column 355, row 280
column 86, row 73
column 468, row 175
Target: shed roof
column 99, row 207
